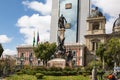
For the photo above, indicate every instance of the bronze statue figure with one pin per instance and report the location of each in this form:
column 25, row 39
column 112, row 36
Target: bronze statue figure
column 61, row 22
column 61, row 47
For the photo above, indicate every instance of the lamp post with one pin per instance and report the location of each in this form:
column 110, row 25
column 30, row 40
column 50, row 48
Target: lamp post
column 31, row 59
column 22, row 59
column 94, row 71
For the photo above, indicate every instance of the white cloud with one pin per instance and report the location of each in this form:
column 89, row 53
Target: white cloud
column 39, row 6
column 4, row 39
column 36, row 22
column 109, row 25
column 110, row 7
column 9, row 52
column 29, row 24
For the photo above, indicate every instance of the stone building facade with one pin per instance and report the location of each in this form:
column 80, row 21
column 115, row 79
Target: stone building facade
column 26, row 55
column 78, row 52
column 95, row 32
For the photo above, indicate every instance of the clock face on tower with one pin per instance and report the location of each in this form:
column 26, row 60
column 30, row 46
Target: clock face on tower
column 69, row 9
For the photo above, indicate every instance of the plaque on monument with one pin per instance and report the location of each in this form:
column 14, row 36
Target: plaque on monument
column 67, row 26
column 68, row 6
column 57, row 62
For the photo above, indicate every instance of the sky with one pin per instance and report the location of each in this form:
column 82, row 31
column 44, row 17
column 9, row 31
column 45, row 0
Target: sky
column 20, row 18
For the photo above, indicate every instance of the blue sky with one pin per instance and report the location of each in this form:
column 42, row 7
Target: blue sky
column 20, row 18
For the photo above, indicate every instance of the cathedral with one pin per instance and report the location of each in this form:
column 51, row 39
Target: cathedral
column 96, row 30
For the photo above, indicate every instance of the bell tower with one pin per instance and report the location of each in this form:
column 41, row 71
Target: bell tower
column 95, row 29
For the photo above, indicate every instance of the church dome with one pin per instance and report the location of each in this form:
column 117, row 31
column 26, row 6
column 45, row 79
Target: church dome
column 96, row 13
column 116, row 25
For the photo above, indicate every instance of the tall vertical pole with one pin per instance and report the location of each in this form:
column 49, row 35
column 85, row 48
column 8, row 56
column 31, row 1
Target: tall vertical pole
column 89, row 6
column 77, row 21
column 94, row 71
column 59, row 8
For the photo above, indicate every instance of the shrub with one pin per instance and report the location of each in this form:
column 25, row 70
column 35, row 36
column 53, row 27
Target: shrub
column 27, row 67
column 19, row 73
column 39, row 68
column 48, row 73
column 64, row 73
column 39, row 75
column 68, row 69
column 28, row 71
column 56, row 73
column 90, row 65
column 55, row 69
column 79, row 72
column 86, row 73
column 72, row 73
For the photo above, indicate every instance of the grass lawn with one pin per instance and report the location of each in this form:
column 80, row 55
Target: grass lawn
column 66, row 78
column 30, row 77
column 21, row 77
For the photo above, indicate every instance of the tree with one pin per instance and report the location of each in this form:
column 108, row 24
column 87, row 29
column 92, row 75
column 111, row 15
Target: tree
column 101, row 53
column 110, row 52
column 44, row 51
column 1, row 49
column 113, row 52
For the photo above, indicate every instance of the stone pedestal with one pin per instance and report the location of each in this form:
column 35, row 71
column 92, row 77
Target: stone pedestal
column 61, row 33
column 57, row 62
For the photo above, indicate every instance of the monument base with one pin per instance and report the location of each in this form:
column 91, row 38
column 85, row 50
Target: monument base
column 57, row 62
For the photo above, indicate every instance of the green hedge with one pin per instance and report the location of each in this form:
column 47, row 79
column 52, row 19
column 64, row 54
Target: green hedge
column 39, row 75
column 27, row 71
column 55, row 71
column 19, row 73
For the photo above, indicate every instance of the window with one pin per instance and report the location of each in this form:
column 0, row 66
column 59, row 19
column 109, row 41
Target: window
column 74, row 62
column 22, row 54
column 74, row 53
column 95, row 26
column 30, row 55
column 94, row 46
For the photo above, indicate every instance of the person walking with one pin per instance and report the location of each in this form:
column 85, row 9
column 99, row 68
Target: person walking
column 111, row 77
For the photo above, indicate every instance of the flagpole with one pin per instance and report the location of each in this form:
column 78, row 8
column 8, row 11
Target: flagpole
column 33, row 38
column 38, row 37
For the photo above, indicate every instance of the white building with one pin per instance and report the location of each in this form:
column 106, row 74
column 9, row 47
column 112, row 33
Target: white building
column 76, row 15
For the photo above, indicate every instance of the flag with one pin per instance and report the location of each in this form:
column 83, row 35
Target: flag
column 34, row 39
column 38, row 38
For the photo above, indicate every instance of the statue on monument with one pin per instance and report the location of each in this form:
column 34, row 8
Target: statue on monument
column 69, row 58
column 60, row 53
column 61, row 48
column 61, row 25
column 61, row 22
